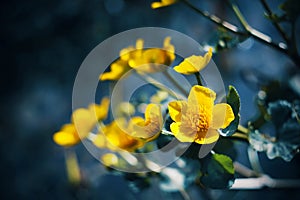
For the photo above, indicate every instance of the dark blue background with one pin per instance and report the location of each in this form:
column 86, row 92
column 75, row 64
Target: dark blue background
column 42, row 45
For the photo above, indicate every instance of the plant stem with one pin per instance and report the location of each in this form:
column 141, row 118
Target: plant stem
column 243, row 129
column 158, row 85
column 175, row 83
column 197, row 74
column 239, row 136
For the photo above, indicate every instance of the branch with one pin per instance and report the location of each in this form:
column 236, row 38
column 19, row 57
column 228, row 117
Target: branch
column 276, row 24
column 234, row 29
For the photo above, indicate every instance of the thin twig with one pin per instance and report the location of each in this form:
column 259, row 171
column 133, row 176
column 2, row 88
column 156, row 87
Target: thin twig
column 255, row 33
column 234, row 29
column 276, row 24
column 159, row 85
column 175, row 83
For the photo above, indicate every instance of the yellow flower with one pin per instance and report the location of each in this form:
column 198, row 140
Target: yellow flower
column 163, row 3
column 194, row 63
column 110, row 159
column 198, row 119
column 121, row 66
column 70, row 134
column 159, row 96
column 149, row 128
column 150, row 60
column 117, row 136
column 83, row 121
column 131, row 135
column 101, row 110
column 117, row 70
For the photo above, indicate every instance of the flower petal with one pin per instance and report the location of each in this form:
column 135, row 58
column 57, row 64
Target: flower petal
column 149, row 128
column 222, row 116
column 84, row 121
column 118, row 69
column 203, row 98
column 180, row 134
column 101, row 110
column 65, row 138
column 163, row 3
column 211, row 136
column 175, row 109
column 116, row 134
column 193, row 64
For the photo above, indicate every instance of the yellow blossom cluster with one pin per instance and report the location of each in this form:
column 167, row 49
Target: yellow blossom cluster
column 142, row 60
column 196, row 119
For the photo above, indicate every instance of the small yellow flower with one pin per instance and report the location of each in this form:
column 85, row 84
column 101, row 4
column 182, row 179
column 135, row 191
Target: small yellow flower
column 159, row 96
column 198, row 119
column 121, row 66
column 194, row 63
column 117, row 136
column 101, row 110
column 163, row 3
column 147, row 61
column 117, row 70
column 125, row 109
column 149, row 128
column 83, row 121
column 150, row 60
column 110, row 159
column 71, row 134
column 131, row 135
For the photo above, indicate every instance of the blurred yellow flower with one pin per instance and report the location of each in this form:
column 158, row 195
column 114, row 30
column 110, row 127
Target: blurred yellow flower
column 159, row 96
column 117, row 70
column 150, row 60
column 101, row 110
column 193, row 63
column 125, row 109
column 129, row 136
column 163, row 3
column 121, row 66
column 149, row 128
column 117, row 136
column 83, row 121
column 110, row 159
column 147, row 61
column 198, row 119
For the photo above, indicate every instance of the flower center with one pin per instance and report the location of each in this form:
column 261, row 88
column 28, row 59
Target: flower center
column 201, row 123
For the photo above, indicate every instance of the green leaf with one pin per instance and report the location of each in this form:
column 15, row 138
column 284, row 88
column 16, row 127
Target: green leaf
column 218, row 172
column 284, row 116
column 233, row 99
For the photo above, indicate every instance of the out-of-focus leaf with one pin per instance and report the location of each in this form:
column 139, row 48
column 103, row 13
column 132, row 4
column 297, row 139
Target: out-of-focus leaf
column 280, row 111
column 291, row 8
column 174, row 179
column 223, row 40
column 284, row 116
column 233, row 99
column 273, row 149
column 137, row 183
column 217, row 172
